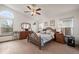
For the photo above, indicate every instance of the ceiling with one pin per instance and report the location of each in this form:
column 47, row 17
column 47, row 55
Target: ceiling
column 47, row 9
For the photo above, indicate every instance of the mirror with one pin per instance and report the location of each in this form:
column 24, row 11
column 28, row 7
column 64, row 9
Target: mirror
column 26, row 26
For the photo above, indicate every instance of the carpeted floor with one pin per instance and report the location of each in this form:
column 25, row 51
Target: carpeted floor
column 24, row 47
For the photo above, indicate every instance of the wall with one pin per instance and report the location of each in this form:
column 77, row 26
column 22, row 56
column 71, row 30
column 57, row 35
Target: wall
column 17, row 20
column 39, row 19
column 6, row 38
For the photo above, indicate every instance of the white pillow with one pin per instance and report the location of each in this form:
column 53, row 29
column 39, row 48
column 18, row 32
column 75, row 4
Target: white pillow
column 52, row 33
column 43, row 32
column 38, row 34
column 48, row 31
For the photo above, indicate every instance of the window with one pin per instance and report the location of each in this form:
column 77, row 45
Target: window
column 67, row 26
column 6, row 22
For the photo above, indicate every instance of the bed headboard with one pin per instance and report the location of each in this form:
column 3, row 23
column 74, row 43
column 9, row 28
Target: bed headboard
column 49, row 28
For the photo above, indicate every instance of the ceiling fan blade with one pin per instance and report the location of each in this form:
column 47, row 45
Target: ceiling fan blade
column 38, row 13
column 33, row 5
column 26, row 11
column 29, row 7
column 38, row 9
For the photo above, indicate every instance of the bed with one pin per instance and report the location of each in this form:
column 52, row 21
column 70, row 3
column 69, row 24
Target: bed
column 41, row 38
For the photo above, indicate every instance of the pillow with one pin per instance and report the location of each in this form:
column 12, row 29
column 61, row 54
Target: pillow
column 52, row 33
column 48, row 32
column 43, row 32
column 38, row 34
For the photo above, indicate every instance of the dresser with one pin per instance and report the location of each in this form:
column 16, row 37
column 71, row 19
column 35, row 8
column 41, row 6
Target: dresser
column 23, row 34
column 59, row 37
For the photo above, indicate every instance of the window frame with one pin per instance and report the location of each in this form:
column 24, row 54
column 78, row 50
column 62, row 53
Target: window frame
column 5, row 17
column 72, row 19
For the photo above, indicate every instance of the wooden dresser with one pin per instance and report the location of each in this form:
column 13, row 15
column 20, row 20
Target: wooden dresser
column 59, row 37
column 23, row 34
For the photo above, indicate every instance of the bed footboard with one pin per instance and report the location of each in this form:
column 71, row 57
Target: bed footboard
column 33, row 38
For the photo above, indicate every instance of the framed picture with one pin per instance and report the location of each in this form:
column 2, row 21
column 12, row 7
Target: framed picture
column 41, row 26
column 34, row 23
column 52, row 22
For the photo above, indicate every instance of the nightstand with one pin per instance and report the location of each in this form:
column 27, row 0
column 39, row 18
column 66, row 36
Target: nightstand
column 59, row 37
column 71, row 41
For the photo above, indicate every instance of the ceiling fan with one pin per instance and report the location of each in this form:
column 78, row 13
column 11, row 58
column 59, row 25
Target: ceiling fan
column 33, row 10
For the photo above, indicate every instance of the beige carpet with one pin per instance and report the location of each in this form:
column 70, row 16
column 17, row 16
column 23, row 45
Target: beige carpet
column 24, row 47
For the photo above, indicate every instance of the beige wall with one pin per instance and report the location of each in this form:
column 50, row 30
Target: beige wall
column 6, row 38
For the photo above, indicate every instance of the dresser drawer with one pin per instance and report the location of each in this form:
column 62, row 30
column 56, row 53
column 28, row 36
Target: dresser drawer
column 60, row 38
column 24, row 34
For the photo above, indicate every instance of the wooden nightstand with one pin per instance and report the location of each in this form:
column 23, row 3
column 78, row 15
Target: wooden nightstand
column 59, row 37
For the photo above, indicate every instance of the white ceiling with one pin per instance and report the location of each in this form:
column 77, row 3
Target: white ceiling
column 47, row 9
